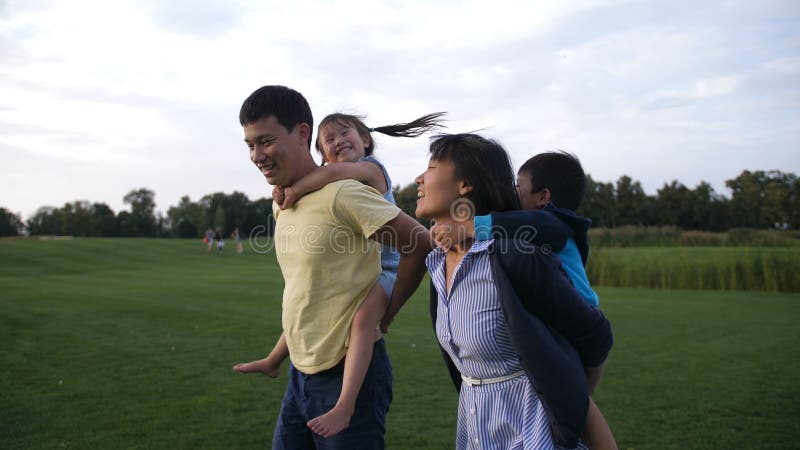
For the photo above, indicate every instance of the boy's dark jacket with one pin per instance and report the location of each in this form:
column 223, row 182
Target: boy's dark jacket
column 554, row 331
column 550, row 226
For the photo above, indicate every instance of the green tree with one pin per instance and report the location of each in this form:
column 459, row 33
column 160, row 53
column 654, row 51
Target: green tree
column 599, row 203
column 10, row 223
column 141, row 221
column 186, row 219
column 711, row 211
column 219, row 218
column 776, row 210
column 794, row 204
column 632, row 202
column 76, row 218
column 226, row 211
column 762, row 199
column 103, row 221
column 44, row 221
column 259, row 218
column 675, row 205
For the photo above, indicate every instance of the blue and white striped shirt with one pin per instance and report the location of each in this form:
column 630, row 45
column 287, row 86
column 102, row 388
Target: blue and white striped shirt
column 471, row 328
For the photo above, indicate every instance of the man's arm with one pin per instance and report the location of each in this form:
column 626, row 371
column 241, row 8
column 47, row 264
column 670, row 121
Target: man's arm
column 413, row 242
column 270, row 365
column 364, row 171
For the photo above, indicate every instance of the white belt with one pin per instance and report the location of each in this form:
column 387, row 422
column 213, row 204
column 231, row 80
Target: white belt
column 480, row 381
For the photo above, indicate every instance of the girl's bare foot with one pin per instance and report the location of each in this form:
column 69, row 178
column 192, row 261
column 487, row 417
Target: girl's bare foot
column 260, row 365
column 331, row 422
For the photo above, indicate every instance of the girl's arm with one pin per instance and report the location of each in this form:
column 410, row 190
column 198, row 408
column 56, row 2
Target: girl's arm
column 364, row 171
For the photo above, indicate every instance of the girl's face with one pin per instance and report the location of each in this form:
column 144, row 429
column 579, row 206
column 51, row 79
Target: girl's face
column 341, row 143
column 438, row 190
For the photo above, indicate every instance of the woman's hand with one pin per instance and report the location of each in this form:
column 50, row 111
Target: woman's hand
column 446, row 232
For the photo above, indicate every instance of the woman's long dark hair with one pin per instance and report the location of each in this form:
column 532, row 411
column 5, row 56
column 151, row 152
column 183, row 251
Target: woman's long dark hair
column 414, row 128
column 483, row 164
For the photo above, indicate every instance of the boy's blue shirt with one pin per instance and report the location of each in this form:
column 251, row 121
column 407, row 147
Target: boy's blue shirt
column 562, row 230
column 572, row 264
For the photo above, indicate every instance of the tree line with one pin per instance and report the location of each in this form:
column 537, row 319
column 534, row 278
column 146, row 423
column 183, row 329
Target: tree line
column 188, row 219
column 758, row 199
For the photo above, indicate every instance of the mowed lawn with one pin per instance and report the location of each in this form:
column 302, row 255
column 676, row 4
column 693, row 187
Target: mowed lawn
column 129, row 343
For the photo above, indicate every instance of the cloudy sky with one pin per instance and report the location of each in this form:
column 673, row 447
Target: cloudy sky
column 101, row 97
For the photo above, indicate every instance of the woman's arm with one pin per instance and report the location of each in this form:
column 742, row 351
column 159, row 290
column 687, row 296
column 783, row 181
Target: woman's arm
column 364, row 171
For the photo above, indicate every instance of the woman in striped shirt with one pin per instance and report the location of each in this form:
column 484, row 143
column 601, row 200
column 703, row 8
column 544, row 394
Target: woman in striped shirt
column 515, row 335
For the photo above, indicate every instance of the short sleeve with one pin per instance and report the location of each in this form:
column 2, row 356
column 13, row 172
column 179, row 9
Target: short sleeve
column 276, row 210
column 362, row 208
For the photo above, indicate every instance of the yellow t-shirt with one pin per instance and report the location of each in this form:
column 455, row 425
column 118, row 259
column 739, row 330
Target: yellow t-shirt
column 328, row 264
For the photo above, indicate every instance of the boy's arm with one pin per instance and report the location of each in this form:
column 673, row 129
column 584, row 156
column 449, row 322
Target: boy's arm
column 547, row 292
column 414, row 243
column 364, row 171
column 537, row 227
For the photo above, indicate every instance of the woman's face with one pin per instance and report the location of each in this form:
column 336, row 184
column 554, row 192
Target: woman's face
column 438, row 190
column 341, row 143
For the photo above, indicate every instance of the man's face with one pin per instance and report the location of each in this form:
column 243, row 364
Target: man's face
column 276, row 150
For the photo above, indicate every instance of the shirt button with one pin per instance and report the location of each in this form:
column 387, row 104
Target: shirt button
column 472, row 410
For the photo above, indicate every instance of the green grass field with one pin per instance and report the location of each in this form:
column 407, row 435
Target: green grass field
column 129, row 343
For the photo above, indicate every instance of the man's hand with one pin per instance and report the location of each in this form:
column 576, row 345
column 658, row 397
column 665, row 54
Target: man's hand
column 445, row 232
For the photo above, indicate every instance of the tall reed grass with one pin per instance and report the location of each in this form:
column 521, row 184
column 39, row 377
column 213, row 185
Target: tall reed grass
column 772, row 269
column 636, row 236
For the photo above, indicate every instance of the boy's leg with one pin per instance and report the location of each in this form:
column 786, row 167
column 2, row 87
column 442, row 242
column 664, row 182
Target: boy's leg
column 367, row 428
column 363, row 334
column 597, row 434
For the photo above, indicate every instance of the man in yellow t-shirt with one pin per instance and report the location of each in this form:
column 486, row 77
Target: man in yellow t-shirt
column 329, row 265
column 328, row 248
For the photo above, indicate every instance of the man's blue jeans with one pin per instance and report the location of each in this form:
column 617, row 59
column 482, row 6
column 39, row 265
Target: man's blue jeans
column 309, row 396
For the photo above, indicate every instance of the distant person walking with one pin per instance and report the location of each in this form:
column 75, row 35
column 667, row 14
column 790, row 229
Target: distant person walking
column 235, row 236
column 209, row 239
column 218, row 238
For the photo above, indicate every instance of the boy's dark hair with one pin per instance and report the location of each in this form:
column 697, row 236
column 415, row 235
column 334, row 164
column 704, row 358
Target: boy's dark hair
column 414, row 128
column 483, row 164
column 287, row 105
column 559, row 172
